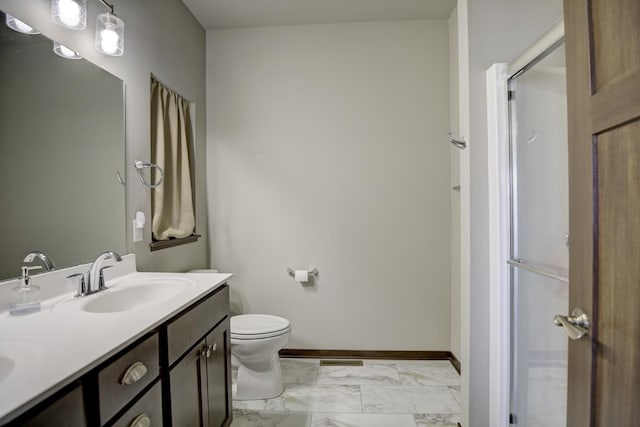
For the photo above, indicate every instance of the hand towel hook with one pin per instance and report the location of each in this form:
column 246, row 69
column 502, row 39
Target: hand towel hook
column 139, row 165
column 120, row 180
column 461, row 144
column 533, row 137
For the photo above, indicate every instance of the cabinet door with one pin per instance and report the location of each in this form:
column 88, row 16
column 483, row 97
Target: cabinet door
column 67, row 411
column 219, row 376
column 189, row 389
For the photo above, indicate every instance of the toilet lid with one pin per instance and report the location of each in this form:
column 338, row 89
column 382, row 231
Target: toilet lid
column 253, row 326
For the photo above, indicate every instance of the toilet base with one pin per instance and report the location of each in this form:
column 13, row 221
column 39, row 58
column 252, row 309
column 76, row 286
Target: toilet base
column 261, row 380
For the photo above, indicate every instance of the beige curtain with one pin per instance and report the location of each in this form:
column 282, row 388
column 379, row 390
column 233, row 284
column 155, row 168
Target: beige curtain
column 171, row 136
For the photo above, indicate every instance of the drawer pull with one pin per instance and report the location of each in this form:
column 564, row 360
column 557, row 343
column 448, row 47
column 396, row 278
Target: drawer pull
column 134, row 374
column 141, row 420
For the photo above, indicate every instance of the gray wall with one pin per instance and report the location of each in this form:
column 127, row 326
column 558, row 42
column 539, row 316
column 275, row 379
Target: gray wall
column 163, row 38
column 326, row 147
column 499, row 30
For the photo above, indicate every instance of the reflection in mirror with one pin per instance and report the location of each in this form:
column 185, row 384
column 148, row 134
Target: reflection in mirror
column 61, row 145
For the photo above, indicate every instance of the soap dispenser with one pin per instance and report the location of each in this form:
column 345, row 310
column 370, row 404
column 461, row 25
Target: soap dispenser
column 25, row 298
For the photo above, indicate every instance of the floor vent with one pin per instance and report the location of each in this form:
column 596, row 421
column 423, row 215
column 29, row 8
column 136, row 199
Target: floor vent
column 341, row 363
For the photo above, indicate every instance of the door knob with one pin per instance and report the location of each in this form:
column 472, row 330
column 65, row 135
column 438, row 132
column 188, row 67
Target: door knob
column 576, row 325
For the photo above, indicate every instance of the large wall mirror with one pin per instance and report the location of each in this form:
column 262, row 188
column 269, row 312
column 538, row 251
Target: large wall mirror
column 61, row 147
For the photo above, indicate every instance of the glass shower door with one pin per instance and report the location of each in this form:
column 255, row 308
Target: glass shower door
column 539, row 241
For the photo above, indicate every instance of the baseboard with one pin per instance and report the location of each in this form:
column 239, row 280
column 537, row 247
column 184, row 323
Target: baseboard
column 455, row 362
column 371, row 354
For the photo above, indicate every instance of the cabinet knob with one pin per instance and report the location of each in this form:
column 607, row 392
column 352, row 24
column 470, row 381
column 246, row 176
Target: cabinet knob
column 134, row 373
column 141, row 420
column 207, row 350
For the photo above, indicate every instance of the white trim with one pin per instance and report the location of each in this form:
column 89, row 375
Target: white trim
column 499, row 277
column 465, row 210
column 548, row 39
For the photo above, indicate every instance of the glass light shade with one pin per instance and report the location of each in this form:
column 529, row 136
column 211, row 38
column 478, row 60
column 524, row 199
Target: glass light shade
column 70, row 14
column 65, row 52
column 17, row 25
column 109, row 34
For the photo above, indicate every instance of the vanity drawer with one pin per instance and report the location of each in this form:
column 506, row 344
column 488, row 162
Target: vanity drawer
column 191, row 327
column 125, row 377
column 146, row 412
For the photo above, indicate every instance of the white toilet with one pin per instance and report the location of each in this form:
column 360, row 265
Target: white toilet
column 255, row 342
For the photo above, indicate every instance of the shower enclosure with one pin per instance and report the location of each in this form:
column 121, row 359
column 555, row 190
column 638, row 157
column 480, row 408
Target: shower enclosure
column 538, row 241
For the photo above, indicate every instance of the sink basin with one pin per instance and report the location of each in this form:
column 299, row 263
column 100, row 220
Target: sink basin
column 17, row 357
column 136, row 294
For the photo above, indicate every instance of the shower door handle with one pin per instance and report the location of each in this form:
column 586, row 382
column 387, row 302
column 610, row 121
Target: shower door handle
column 576, row 325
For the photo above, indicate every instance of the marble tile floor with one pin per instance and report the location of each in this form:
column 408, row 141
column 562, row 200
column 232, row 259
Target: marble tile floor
column 380, row 393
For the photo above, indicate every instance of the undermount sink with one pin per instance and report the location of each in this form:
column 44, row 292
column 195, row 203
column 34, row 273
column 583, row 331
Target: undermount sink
column 136, row 294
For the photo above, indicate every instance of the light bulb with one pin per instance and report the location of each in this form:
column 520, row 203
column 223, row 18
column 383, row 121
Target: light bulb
column 17, row 25
column 23, row 27
column 109, row 34
column 64, row 52
column 69, row 13
column 109, row 41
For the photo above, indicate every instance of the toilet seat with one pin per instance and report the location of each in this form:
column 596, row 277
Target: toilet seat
column 258, row 326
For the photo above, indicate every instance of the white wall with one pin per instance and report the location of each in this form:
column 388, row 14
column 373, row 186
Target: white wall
column 326, row 147
column 454, row 126
column 499, row 30
column 163, row 38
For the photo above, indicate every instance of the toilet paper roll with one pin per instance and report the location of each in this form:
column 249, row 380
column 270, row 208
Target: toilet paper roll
column 301, row 276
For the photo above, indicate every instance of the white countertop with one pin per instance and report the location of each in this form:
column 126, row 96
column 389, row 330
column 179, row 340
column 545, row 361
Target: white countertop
column 62, row 342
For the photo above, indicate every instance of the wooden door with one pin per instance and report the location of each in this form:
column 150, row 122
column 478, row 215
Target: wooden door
column 219, row 375
column 188, row 385
column 603, row 86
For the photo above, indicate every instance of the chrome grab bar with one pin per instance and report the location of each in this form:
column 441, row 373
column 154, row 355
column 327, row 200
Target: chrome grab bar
column 459, row 143
column 537, row 269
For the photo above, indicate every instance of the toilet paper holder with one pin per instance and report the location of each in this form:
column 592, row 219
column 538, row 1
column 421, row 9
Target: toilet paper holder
column 313, row 272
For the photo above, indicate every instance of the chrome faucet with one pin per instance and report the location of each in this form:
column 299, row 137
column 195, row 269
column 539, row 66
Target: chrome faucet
column 86, row 282
column 96, row 270
column 46, row 261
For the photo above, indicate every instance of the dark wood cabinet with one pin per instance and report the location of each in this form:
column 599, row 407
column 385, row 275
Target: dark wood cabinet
column 219, row 375
column 120, row 381
column 147, row 411
column 200, row 381
column 64, row 411
column 177, row 374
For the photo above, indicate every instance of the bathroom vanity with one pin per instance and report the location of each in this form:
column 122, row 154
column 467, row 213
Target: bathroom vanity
column 163, row 362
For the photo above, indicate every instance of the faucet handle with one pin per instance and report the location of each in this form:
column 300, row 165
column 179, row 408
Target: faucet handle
column 101, row 284
column 80, row 283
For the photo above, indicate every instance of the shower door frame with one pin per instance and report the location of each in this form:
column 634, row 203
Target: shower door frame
column 500, row 175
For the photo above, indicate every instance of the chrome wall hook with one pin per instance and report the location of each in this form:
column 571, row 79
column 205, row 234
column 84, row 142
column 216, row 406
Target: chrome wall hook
column 532, row 138
column 120, row 179
column 461, row 144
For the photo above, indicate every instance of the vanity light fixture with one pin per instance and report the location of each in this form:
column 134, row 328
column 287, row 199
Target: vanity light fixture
column 70, row 14
column 17, row 25
column 109, row 32
column 63, row 51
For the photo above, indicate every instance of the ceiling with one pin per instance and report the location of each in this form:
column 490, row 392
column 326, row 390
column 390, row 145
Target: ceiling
column 223, row 14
